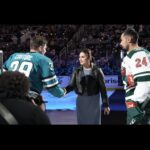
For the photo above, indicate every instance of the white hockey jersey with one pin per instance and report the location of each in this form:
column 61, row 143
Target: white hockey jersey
column 135, row 72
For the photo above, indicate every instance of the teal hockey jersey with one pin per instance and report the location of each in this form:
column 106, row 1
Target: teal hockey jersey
column 38, row 68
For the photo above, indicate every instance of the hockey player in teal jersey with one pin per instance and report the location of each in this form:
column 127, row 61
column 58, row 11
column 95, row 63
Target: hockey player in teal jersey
column 135, row 71
column 37, row 67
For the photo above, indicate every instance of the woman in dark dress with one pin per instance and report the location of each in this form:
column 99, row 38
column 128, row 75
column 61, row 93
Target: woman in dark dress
column 88, row 83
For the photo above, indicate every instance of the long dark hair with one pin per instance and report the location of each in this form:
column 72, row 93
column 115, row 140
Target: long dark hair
column 88, row 52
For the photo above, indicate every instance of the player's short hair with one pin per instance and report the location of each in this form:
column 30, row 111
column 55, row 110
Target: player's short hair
column 13, row 84
column 133, row 34
column 37, row 41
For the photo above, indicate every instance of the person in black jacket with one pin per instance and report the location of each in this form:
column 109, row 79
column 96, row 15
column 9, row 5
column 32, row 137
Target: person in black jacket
column 14, row 87
column 88, row 83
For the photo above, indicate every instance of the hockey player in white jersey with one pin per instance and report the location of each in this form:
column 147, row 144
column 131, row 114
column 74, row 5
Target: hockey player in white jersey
column 135, row 71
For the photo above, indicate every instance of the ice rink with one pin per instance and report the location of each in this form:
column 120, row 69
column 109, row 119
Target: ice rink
column 68, row 102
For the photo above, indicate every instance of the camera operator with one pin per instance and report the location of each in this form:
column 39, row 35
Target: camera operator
column 14, row 88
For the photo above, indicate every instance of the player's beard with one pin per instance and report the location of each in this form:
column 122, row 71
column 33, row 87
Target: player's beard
column 127, row 48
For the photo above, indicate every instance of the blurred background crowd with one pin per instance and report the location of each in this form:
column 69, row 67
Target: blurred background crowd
column 66, row 40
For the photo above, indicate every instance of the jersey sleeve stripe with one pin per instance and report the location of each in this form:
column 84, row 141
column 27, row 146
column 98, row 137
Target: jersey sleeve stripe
column 142, row 73
column 129, row 89
column 143, row 78
column 49, row 79
column 130, row 92
column 50, row 85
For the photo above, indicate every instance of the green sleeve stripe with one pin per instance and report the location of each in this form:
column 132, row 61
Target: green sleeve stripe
column 129, row 93
column 142, row 73
column 143, row 78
